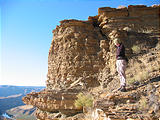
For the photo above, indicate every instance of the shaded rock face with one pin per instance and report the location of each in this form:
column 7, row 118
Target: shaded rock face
column 82, row 56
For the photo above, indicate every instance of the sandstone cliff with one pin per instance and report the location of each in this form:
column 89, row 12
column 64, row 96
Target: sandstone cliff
column 82, row 58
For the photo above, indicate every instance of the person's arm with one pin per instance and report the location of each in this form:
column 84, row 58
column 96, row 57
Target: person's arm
column 119, row 50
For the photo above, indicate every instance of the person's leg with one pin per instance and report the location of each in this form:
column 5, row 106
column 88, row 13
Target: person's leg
column 121, row 67
column 122, row 73
column 118, row 65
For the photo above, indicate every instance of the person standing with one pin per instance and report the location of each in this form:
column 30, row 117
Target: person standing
column 121, row 63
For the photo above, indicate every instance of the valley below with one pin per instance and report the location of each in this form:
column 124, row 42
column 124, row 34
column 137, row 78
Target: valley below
column 11, row 105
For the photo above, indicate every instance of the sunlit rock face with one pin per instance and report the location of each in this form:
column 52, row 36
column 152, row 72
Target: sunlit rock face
column 73, row 55
column 82, row 56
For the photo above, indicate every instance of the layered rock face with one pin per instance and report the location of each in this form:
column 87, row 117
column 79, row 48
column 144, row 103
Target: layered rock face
column 51, row 103
column 73, row 56
column 82, row 56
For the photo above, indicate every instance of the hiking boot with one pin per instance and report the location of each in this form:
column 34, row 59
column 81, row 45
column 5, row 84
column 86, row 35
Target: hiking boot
column 123, row 89
column 119, row 88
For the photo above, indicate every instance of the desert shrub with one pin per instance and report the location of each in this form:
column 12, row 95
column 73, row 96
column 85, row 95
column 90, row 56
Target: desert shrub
column 83, row 100
column 136, row 49
column 139, row 77
column 144, row 75
column 143, row 103
column 131, row 81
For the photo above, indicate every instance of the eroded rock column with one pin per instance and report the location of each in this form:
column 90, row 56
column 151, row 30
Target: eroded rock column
column 73, row 57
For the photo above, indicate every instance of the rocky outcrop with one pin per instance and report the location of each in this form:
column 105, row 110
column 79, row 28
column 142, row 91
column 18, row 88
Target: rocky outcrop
column 141, row 102
column 73, row 55
column 53, row 101
column 82, row 58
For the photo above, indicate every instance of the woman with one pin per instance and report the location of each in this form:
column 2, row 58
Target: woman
column 121, row 63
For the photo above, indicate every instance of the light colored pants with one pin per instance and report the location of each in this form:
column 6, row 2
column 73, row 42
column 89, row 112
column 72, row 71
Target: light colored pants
column 121, row 68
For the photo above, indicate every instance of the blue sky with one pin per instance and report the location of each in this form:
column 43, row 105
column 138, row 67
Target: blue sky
column 26, row 33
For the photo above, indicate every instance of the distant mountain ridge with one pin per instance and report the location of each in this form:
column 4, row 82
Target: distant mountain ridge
column 11, row 96
column 8, row 90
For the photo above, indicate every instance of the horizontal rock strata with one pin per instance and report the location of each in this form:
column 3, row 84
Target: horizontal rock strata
column 53, row 101
column 82, row 57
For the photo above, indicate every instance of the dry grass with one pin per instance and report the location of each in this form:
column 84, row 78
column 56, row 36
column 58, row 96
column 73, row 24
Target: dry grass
column 144, row 75
column 139, row 77
column 143, row 103
column 139, row 71
column 83, row 100
column 136, row 49
column 131, row 81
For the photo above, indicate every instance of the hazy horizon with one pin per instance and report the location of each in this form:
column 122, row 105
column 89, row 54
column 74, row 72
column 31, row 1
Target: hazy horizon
column 26, row 33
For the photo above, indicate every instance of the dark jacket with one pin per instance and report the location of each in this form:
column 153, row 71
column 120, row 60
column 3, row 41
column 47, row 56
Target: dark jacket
column 120, row 53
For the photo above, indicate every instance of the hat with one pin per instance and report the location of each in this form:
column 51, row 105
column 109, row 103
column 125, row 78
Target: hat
column 117, row 41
